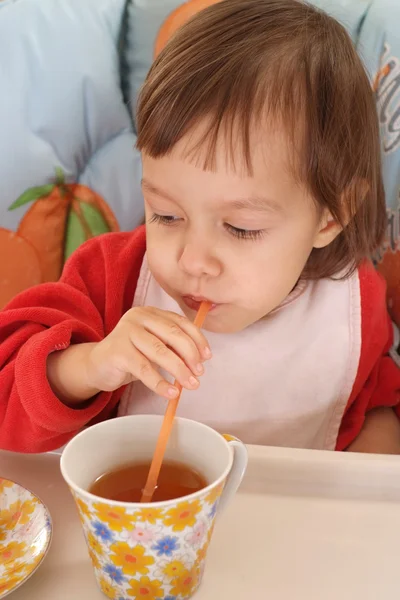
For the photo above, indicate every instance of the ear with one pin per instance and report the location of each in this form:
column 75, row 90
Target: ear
column 329, row 229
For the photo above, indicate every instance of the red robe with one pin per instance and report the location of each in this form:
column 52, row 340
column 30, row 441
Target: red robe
column 95, row 290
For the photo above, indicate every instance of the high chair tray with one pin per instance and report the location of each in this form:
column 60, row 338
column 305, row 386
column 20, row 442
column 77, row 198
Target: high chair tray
column 306, row 525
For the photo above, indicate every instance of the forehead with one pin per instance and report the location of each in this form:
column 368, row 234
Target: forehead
column 180, row 177
column 265, row 147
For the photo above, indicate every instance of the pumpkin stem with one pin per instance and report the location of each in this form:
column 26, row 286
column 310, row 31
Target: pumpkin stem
column 60, row 177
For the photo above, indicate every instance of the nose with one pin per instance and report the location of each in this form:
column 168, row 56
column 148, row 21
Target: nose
column 196, row 260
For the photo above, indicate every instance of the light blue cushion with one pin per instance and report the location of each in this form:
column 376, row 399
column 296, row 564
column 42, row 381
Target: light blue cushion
column 61, row 103
column 145, row 18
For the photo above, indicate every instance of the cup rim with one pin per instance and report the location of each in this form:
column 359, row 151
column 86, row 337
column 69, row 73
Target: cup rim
column 140, row 505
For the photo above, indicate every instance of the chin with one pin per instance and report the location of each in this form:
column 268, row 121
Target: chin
column 215, row 324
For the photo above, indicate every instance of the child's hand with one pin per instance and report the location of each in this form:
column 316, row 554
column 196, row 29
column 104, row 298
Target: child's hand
column 144, row 340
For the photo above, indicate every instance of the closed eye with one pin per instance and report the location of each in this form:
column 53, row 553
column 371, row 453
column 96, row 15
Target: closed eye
column 164, row 219
column 245, row 234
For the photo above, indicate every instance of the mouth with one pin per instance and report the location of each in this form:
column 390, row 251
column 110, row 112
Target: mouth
column 194, row 302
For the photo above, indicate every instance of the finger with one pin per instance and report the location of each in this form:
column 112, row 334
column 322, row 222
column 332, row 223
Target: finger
column 180, row 334
column 142, row 369
column 154, row 349
column 195, row 334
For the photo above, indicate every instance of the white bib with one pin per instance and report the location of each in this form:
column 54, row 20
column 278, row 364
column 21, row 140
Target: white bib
column 283, row 381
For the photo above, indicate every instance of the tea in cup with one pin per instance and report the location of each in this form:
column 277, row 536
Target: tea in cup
column 151, row 550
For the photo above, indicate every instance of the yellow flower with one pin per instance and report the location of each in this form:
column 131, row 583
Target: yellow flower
column 115, row 516
column 150, row 515
column 183, row 515
column 94, row 559
column 21, row 569
column 174, row 568
column 13, row 551
column 13, row 578
column 201, row 554
column 215, row 494
column 132, row 560
column 7, row 583
column 3, row 533
column 94, row 544
column 4, row 483
column 150, row 589
column 186, row 583
column 83, row 508
column 18, row 514
column 107, row 588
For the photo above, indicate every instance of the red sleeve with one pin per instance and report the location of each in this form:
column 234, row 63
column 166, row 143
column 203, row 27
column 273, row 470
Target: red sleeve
column 378, row 377
column 95, row 290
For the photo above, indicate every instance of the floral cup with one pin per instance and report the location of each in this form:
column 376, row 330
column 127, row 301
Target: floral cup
column 154, row 551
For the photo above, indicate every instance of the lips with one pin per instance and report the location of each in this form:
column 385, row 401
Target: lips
column 194, row 302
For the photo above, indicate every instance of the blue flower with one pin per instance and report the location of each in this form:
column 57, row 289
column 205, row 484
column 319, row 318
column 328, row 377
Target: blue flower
column 166, row 546
column 213, row 510
column 115, row 573
column 170, row 598
column 102, row 531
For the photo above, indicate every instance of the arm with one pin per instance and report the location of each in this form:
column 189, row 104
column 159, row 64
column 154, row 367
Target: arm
column 370, row 422
column 380, row 433
column 96, row 288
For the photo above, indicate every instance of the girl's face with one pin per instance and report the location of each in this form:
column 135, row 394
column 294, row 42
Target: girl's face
column 239, row 241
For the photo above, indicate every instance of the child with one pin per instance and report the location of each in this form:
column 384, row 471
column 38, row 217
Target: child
column 263, row 193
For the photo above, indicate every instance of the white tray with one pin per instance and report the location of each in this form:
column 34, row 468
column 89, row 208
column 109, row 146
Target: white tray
column 305, row 525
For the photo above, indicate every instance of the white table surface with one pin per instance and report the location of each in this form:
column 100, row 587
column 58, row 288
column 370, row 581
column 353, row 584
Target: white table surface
column 304, row 526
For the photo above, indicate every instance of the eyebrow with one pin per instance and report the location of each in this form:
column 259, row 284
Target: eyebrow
column 257, row 203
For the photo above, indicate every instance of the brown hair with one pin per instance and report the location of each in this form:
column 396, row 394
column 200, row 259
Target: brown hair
column 240, row 60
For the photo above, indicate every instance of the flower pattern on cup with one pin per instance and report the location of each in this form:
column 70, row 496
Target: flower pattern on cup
column 174, row 569
column 114, row 573
column 116, row 517
column 183, row 515
column 166, row 546
column 102, row 531
column 83, row 508
column 132, row 560
column 197, row 535
column 150, row 515
column 215, row 494
column 186, row 583
column 149, row 552
column 140, row 534
column 146, row 588
column 107, row 588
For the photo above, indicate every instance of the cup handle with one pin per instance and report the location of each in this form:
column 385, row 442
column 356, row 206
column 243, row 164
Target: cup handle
column 239, row 465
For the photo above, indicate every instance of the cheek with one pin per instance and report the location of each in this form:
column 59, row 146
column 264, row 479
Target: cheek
column 161, row 253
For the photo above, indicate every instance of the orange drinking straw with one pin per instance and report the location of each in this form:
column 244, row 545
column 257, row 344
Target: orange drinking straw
column 167, row 423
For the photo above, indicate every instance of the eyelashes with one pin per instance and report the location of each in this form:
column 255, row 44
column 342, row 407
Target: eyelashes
column 169, row 220
column 245, row 234
column 236, row 232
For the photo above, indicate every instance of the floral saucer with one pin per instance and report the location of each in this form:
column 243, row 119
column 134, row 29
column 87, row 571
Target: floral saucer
column 25, row 535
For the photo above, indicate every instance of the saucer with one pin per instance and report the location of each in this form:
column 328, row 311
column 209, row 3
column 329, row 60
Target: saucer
column 25, row 535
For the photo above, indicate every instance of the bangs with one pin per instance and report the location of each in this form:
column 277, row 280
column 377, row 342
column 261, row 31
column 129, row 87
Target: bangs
column 222, row 95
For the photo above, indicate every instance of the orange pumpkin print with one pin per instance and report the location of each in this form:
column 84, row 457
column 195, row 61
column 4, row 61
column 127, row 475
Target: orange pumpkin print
column 18, row 257
column 62, row 216
column 178, row 18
